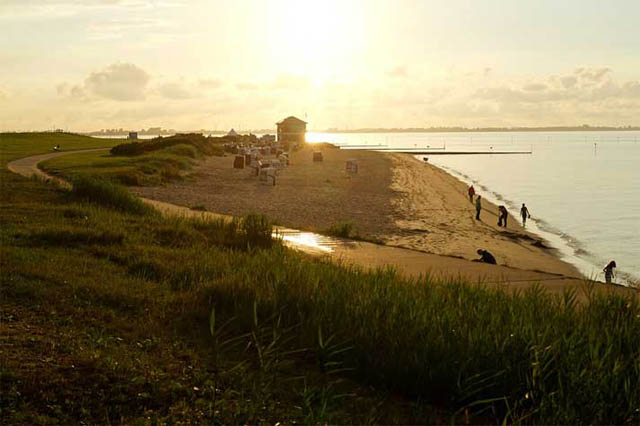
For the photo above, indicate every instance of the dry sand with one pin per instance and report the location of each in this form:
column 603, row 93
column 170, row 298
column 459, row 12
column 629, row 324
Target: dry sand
column 393, row 197
column 308, row 195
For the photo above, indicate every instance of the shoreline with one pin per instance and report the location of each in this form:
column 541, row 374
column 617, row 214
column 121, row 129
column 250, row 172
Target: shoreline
column 436, row 202
column 562, row 247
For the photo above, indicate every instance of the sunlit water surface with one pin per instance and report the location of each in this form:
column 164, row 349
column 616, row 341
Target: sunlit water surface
column 582, row 188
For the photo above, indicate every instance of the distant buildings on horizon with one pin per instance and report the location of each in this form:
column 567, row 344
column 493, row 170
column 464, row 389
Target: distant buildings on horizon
column 159, row 131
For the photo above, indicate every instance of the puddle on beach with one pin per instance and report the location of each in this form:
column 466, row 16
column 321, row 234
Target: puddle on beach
column 309, row 242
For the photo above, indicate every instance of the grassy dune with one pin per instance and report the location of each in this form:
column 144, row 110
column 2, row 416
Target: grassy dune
column 164, row 160
column 116, row 316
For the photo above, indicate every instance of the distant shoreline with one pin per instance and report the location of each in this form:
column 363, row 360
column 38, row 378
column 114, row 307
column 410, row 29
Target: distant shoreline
column 485, row 130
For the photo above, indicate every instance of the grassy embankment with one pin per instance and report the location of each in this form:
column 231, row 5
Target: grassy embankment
column 150, row 162
column 117, row 315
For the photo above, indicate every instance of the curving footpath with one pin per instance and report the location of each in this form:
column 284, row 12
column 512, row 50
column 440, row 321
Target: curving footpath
column 408, row 262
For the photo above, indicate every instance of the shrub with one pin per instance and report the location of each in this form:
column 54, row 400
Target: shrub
column 108, row 194
column 258, row 230
column 343, row 230
column 201, row 144
column 183, row 150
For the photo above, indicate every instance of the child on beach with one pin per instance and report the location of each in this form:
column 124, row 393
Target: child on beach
column 472, row 192
column 608, row 271
column 524, row 212
column 478, row 207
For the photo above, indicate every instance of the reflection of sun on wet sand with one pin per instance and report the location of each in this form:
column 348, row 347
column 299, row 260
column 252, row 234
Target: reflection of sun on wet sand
column 393, row 197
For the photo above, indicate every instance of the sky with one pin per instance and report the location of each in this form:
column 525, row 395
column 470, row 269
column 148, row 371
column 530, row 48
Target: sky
column 85, row 65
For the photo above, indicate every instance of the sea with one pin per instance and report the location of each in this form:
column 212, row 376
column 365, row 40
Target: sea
column 582, row 188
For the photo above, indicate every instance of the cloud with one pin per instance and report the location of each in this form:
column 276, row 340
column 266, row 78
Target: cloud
column 247, row 86
column 62, row 89
column 592, row 74
column 175, row 90
column 569, row 81
column 209, row 83
column 68, row 91
column 400, row 71
column 535, row 87
column 120, row 82
column 290, row 81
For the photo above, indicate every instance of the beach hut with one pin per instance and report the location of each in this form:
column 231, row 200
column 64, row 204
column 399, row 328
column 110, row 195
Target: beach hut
column 233, row 133
column 268, row 174
column 238, row 162
column 292, row 129
column 352, row 166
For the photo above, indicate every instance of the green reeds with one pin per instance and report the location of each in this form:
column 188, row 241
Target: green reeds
column 108, row 194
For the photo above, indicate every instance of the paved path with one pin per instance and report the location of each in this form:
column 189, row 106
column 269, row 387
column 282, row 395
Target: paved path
column 410, row 263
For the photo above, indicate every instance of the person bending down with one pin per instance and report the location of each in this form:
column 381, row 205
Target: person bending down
column 485, row 257
column 608, row 271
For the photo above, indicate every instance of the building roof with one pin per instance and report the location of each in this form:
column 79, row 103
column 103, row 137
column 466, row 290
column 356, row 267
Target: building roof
column 290, row 119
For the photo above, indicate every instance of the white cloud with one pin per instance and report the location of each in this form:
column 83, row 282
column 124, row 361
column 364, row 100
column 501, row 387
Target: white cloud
column 175, row 90
column 209, row 83
column 121, row 82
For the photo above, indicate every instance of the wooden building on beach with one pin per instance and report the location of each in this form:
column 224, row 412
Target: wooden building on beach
column 292, row 129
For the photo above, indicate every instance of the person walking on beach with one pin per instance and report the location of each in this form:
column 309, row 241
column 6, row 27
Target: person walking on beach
column 485, row 257
column 524, row 212
column 472, row 192
column 478, row 207
column 502, row 216
column 608, row 271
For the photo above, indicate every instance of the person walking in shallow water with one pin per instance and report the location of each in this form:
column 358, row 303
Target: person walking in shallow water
column 472, row 192
column 524, row 212
column 608, row 271
column 478, row 207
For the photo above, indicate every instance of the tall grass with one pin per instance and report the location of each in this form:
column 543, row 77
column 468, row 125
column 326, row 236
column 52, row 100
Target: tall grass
column 108, row 194
column 528, row 357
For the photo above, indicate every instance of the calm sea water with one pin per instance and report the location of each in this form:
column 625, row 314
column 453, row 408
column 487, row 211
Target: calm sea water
column 582, row 188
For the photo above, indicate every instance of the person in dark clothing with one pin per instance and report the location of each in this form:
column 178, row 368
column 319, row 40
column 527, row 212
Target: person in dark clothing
column 524, row 212
column 472, row 192
column 478, row 207
column 502, row 219
column 485, row 257
column 608, row 271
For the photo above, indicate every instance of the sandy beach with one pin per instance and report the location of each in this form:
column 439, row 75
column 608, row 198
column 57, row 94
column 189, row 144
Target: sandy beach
column 393, row 197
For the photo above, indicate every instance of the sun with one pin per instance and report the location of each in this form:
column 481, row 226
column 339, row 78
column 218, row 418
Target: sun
column 313, row 38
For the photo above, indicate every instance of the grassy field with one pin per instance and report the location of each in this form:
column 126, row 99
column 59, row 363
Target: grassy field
column 114, row 314
column 142, row 167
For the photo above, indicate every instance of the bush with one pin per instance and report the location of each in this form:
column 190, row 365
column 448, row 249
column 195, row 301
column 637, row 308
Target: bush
column 199, row 143
column 343, row 230
column 183, row 150
column 108, row 194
